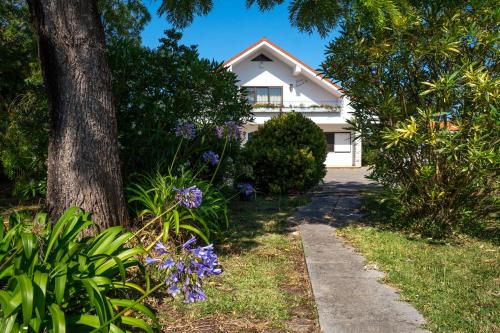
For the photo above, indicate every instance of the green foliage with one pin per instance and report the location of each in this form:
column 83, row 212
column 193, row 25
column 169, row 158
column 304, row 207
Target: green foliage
column 52, row 279
column 306, row 15
column 287, row 154
column 153, row 198
column 426, row 94
column 23, row 113
column 23, row 151
column 151, row 86
column 24, row 123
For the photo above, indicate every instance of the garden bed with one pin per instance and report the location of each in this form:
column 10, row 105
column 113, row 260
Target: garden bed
column 264, row 286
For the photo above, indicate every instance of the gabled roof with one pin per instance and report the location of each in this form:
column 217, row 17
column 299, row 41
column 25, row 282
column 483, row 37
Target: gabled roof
column 266, row 44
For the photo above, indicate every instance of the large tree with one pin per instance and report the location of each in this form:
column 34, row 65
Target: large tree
column 83, row 157
column 83, row 160
column 426, row 94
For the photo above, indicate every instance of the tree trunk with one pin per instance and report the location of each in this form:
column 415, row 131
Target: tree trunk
column 83, row 158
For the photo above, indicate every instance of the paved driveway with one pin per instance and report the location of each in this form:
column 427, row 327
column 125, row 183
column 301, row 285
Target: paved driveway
column 348, row 296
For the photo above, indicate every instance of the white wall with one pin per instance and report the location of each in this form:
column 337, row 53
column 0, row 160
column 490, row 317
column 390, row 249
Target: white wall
column 276, row 73
column 333, row 159
column 337, row 159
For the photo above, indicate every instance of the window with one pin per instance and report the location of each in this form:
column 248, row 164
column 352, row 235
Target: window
column 338, row 142
column 330, row 142
column 264, row 95
column 261, row 57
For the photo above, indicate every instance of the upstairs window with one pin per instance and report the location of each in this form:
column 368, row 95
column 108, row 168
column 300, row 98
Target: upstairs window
column 264, row 95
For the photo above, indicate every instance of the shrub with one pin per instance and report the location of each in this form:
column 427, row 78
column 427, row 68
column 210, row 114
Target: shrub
column 174, row 203
column 171, row 80
column 23, row 145
column 426, row 96
column 287, row 154
column 53, row 280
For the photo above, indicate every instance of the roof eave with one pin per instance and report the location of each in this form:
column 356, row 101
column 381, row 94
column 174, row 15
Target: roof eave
column 264, row 41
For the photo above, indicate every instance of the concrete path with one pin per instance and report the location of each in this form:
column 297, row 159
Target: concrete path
column 348, row 295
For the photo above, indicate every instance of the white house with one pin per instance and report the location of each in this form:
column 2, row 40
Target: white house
column 277, row 82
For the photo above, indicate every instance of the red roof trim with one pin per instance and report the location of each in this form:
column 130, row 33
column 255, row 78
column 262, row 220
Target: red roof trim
column 262, row 40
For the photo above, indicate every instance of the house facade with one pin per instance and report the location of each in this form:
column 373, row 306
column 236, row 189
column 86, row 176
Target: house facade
column 277, row 82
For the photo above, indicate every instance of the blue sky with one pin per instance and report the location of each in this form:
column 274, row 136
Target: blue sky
column 230, row 27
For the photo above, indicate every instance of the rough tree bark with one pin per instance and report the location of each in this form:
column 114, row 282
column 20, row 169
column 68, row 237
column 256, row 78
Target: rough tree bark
column 83, row 158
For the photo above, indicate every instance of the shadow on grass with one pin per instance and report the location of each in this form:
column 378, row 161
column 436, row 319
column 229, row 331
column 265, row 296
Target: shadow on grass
column 255, row 218
column 382, row 215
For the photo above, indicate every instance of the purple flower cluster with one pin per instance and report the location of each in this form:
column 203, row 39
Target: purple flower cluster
column 185, row 130
column 231, row 129
column 185, row 274
column 211, row 158
column 189, row 197
column 246, row 190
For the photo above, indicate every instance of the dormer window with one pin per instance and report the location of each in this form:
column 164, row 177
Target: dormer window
column 261, row 57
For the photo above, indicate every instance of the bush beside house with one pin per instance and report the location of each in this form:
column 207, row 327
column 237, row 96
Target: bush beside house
column 287, row 154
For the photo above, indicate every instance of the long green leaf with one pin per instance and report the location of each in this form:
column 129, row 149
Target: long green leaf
column 7, row 324
column 90, row 321
column 135, row 322
column 123, row 256
column 58, row 228
column 27, row 293
column 99, row 303
column 58, row 318
column 60, row 284
column 40, row 287
column 137, row 306
column 9, row 302
column 29, row 243
column 196, row 231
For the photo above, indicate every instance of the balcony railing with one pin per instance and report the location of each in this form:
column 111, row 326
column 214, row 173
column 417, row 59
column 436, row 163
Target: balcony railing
column 304, row 106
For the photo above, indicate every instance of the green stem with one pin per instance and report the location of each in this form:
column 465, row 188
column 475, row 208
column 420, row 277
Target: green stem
column 175, row 156
column 19, row 250
column 220, row 160
column 153, row 220
column 199, row 171
column 153, row 243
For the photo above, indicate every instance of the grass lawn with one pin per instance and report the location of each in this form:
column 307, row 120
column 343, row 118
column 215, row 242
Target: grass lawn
column 456, row 286
column 264, row 287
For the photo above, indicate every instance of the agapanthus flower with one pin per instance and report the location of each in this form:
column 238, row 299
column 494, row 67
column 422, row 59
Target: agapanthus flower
column 185, row 130
column 219, row 131
column 151, row 260
column 210, row 157
column 174, row 290
column 188, row 243
column 190, row 197
column 167, row 263
column 234, row 131
column 195, row 295
column 246, row 189
column 231, row 129
column 184, row 271
column 160, row 248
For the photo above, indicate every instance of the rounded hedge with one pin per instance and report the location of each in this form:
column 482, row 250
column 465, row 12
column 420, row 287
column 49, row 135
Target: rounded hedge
column 287, row 154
